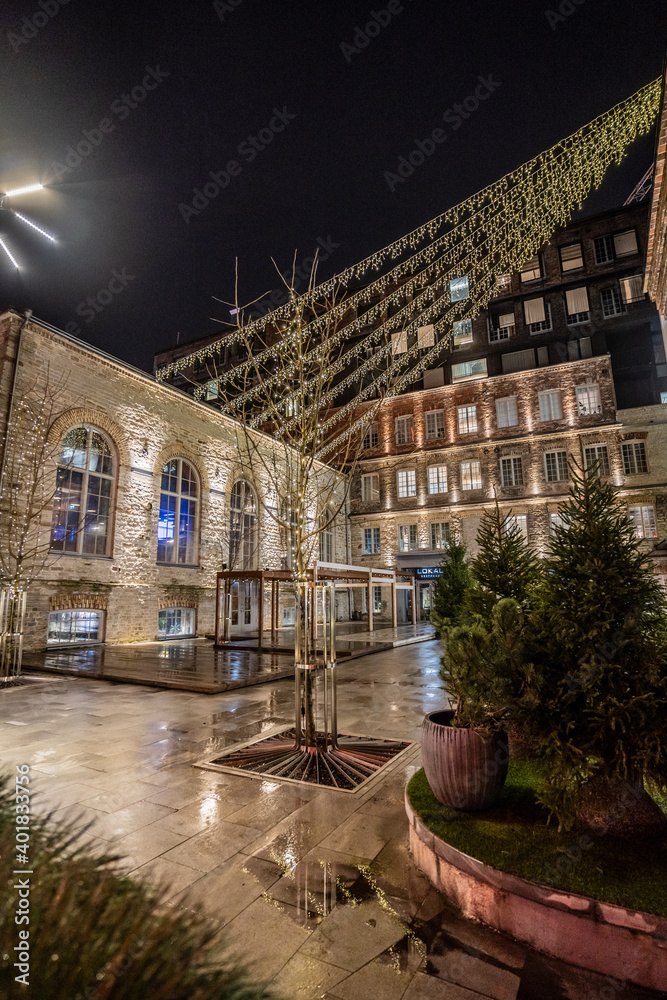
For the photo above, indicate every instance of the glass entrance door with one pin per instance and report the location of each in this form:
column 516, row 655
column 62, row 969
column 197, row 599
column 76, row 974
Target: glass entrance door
column 244, row 606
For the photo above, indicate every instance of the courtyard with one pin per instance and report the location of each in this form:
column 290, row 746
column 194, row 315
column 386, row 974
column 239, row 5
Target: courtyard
column 315, row 887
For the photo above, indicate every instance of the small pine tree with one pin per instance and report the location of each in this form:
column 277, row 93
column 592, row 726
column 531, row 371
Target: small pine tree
column 450, row 587
column 504, row 566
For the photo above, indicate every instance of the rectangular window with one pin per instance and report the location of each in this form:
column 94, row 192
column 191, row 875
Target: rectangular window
column 531, row 270
column 625, row 244
column 435, row 424
column 634, row 458
column 555, row 466
column 370, row 487
column 511, row 471
column 176, row 621
column 597, row 457
column 407, row 537
column 471, row 475
column 371, row 541
column 502, row 327
column 371, row 436
column 519, row 521
column 506, row 412
column 632, row 289
column 534, row 311
column 399, row 342
column 406, row 480
column 518, row 361
column 643, row 520
column 588, row 399
column 439, row 535
column 555, row 521
column 571, row 257
column 503, row 283
column 604, row 249
column 425, row 336
column 469, row 369
column 434, row 377
column 437, row 478
column 611, row 302
column 75, row 626
column 578, row 309
column 377, row 600
column 550, row 405
column 405, row 429
column 211, row 390
column 462, row 332
column 459, row 289
column 466, row 419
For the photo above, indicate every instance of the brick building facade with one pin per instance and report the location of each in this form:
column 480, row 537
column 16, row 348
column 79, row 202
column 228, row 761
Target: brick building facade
column 146, row 445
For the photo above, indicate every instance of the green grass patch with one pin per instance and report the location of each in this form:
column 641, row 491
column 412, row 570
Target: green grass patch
column 514, row 837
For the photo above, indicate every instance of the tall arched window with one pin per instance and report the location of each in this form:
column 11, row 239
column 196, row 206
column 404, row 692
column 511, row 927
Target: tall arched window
column 242, row 526
column 82, row 502
column 177, row 523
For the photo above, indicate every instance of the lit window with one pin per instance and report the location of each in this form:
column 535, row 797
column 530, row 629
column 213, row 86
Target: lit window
column 469, row 369
column 370, row 487
column 371, row 437
column 518, row 361
column 437, row 479
column 519, row 521
column 501, row 328
column 177, row 520
column 211, row 390
column 82, row 500
column 399, row 342
column 537, row 313
column 407, row 482
column 588, row 399
column 75, row 626
column 471, row 475
column 555, row 466
column 625, row 244
column 435, row 424
column 604, row 249
column 506, row 412
column 242, row 526
column 611, row 302
column 459, row 289
column 571, row 257
column 371, row 541
column 176, row 621
column 405, row 429
column 511, row 471
column 663, row 397
column 632, row 289
column 440, row 535
column 550, row 404
column 463, row 332
column 556, row 521
column 578, row 309
column 503, row 283
column 596, row 458
column 531, row 270
column 634, row 458
column 407, row 537
column 643, row 520
column 377, row 600
column 467, row 419
column 425, row 336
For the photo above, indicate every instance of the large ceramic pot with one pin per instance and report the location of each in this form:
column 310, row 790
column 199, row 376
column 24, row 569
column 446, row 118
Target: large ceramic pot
column 463, row 770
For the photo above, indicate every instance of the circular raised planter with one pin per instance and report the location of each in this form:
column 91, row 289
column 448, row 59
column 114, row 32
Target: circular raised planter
column 625, row 944
column 463, row 770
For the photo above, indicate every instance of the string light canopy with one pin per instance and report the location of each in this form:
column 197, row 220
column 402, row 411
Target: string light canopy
column 6, row 198
column 388, row 332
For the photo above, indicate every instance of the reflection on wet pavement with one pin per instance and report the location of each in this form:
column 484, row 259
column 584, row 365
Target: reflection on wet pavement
column 316, row 887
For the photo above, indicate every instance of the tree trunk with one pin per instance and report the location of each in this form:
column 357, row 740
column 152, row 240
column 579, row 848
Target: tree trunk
column 620, row 809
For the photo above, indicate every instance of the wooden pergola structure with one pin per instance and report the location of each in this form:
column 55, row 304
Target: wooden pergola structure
column 342, row 576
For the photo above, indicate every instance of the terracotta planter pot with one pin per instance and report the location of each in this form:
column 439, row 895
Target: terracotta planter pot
column 463, row 770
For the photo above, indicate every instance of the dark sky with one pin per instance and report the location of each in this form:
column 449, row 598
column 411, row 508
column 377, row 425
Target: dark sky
column 222, row 73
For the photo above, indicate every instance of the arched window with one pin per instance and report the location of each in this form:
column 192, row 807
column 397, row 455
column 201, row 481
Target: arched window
column 242, row 526
column 177, row 523
column 82, row 502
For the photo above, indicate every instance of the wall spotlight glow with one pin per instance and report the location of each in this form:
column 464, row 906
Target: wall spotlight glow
column 24, row 190
column 5, row 248
column 29, row 223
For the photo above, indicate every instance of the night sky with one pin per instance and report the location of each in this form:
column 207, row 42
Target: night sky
column 125, row 109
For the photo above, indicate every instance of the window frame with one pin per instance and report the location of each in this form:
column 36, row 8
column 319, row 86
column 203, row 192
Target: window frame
column 560, row 465
column 511, row 463
column 436, row 477
column 411, row 537
column 471, row 424
column 247, row 546
column 643, row 517
column 373, row 435
column 629, row 451
column 371, row 540
column 550, row 394
column 74, row 613
column 568, row 246
column 409, row 487
column 438, row 418
column 191, row 612
column 509, row 423
column 601, row 459
column 404, row 426
column 588, row 386
column 373, row 490
column 477, row 483
column 79, row 533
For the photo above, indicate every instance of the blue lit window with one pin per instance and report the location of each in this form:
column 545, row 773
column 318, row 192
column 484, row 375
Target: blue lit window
column 177, row 522
column 459, row 288
column 84, row 489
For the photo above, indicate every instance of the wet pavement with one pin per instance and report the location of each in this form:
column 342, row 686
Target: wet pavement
column 196, row 665
column 315, row 886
